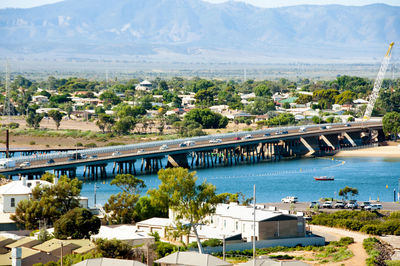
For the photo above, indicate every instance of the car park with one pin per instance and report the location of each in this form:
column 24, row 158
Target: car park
column 248, row 136
column 373, row 207
column 339, row 205
column 116, row 153
column 50, row 161
column 164, row 147
column 327, row 204
column 314, row 204
column 289, row 199
column 25, row 164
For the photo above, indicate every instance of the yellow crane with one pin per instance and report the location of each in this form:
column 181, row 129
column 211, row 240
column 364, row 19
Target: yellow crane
column 378, row 83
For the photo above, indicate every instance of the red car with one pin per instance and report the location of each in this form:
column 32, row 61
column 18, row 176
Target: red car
column 237, row 138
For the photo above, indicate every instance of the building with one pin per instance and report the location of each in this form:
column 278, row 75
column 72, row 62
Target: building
column 191, row 258
column 14, row 192
column 145, row 85
column 25, row 256
column 40, row 99
column 126, row 233
column 108, row 262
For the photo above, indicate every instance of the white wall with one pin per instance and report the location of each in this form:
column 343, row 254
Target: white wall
column 6, row 199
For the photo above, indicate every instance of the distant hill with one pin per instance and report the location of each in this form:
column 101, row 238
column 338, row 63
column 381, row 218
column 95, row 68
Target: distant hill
column 197, row 30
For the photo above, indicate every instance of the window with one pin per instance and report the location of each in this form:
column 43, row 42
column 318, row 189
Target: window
column 237, row 225
column 12, row 202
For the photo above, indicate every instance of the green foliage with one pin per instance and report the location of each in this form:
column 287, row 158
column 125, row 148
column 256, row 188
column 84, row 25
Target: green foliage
column 105, row 122
column 163, row 249
column 56, row 116
column 206, row 118
column 391, row 124
column 114, row 249
column 34, row 119
column 61, row 98
column 325, row 98
column 303, row 99
column 260, row 106
column 121, row 208
column 77, row 223
column 48, row 203
column 369, row 245
column 348, row 190
column 109, row 97
column 189, row 129
column 48, row 177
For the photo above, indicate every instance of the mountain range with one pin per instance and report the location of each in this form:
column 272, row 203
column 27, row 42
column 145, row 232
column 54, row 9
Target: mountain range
column 198, row 30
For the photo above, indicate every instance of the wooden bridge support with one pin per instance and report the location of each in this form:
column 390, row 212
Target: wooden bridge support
column 70, row 172
column 94, row 172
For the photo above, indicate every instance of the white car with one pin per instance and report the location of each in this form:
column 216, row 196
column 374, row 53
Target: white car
column 25, row 164
column 373, row 207
column 164, row 147
column 215, row 141
column 248, row 136
column 116, row 153
column 289, row 199
column 140, row 151
column 327, row 204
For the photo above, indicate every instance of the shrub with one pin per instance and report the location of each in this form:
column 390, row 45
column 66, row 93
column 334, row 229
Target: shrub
column 13, row 125
column 90, row 145
column 32, row 143
column 79, row 144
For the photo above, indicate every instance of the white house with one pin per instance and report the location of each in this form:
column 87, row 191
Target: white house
column 126, row 233
column 145, row 85
column 14, row 192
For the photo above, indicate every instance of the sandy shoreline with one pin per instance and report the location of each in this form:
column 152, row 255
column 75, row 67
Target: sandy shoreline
column 380, row 151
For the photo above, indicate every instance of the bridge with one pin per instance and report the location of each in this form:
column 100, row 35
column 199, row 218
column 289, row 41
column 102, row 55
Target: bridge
column 202, row 152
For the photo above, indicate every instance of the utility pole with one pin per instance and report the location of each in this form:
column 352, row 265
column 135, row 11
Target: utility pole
column 254, row 226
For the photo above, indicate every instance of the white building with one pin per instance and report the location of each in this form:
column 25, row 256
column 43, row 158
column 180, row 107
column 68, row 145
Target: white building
column 40, row 99
column 126, row 233
column 145, row 85
column 14, row 192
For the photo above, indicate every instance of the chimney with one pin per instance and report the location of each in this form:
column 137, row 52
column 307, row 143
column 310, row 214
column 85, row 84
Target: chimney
column 16, row 254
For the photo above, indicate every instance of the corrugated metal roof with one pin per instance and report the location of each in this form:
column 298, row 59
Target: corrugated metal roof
column 192, row 259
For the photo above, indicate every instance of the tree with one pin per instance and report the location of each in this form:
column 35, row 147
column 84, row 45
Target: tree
column 121, row 208
column 345, row 97
column 77, row 223
column 48, row 203
column 124, row 125
column 260, row 106
column 109, row 97
column 34, row 119
column 105, row 122
column 191, row 203
column 303, row 99
column 346, row 190
column 68, row 108
column 391, row 124
column 114, row 249
column 206, row 118
column 262, row 91
column 56, row 116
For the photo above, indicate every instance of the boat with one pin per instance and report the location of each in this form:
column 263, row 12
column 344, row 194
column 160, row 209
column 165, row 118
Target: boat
column 324, row 178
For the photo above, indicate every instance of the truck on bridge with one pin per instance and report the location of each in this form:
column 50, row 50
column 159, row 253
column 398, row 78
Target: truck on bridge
column 7, row 163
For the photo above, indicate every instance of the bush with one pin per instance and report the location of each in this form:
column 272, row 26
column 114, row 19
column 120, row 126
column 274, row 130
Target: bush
column 32, row 143
column 163, row 249
column 79, row 144
column 90, row 145
column 13, row 125
column 78, row 223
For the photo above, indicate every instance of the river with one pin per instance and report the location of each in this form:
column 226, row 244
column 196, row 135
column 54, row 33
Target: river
column 375, row 178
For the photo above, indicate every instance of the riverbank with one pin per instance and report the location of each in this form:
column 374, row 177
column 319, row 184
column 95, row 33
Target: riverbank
column 390, row 151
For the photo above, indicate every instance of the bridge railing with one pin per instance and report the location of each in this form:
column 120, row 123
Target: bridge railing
column 137, row 146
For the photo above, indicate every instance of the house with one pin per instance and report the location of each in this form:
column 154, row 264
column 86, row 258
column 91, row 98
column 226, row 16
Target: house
column 219, row 108
column 126, row 233
column 25, row 256
column 26, row 242
column 40, row 99
column 188, row 100
column 54, row 246
column 235, row 223
column 14, row 192
column 191, row 258
column 108, row 262
column 144, row 86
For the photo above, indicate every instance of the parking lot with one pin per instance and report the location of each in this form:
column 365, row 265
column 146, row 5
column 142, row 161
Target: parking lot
column 304, row 206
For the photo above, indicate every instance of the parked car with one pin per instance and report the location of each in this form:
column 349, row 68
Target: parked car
column 164, row 147
column 215, row 141
column 182, row 145
column 116, row 153
column 364, row 205
column 50, row 161
column 290, row 199
column 373, row 207
column 267, row 134
column 339, row 205
column 25, row 164
column 352, row 205
column 327, row 204
column 313, row 204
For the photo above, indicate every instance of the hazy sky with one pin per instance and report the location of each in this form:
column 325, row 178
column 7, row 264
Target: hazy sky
column 261, row 3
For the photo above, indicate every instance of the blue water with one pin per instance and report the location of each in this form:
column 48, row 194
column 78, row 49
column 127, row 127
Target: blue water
column 373, row 177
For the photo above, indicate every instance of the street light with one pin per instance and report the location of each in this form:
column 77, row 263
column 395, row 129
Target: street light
column 95, row 189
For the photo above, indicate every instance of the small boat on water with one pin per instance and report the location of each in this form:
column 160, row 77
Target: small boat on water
column 324, row 178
